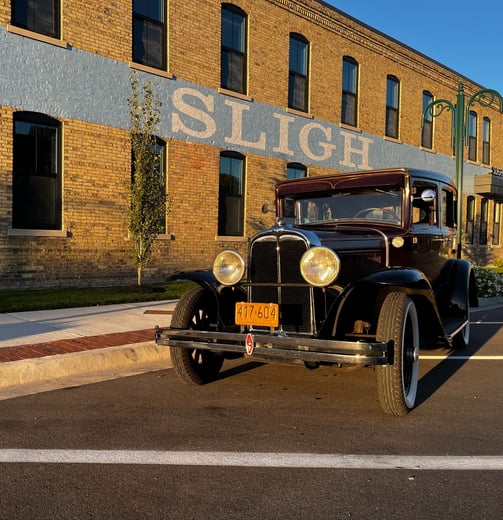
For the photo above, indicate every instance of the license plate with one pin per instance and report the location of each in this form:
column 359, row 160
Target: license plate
column 258, row 314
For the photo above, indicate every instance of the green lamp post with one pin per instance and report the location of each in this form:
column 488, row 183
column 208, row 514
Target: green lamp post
column 460, row 116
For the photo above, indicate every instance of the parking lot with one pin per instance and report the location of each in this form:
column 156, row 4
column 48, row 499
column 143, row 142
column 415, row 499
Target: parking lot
column 264, row 441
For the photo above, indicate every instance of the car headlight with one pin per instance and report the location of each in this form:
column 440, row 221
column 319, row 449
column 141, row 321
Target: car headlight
column 319, row 266
column 229, row 267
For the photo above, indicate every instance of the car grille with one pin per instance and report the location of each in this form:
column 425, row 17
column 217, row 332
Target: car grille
column 274, row 277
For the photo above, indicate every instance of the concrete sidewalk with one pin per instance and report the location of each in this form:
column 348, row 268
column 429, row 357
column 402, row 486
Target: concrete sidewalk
column 43, row 350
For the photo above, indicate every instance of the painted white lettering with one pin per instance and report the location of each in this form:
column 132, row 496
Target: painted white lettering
column 326, row 146
column 237, row 127
column 350, row 150
column 202, row 117
column 284, row 121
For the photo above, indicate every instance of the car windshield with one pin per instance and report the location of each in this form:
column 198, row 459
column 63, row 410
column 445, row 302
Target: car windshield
column 382, row 204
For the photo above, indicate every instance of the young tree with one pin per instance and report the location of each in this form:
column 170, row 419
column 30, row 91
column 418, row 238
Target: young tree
column 149, row 200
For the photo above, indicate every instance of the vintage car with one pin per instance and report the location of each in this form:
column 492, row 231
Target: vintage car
column 360, row 270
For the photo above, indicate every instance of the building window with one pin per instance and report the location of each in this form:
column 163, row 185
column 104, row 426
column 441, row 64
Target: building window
column 496, row 224
column 298, row 83
column 392, row 106
column 486, row 140
column 427, row 128
column 484, row 214
column 349, row 110
column 295, row 171
column 36, row 189
column 41, row 16
column 149, row 33
column 231, row 195
column 472, row 136
column 233, row 52
column 470, row 218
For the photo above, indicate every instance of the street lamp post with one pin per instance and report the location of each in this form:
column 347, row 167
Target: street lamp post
column 460, row 118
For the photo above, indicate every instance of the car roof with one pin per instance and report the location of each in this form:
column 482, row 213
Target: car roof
column 391, row 176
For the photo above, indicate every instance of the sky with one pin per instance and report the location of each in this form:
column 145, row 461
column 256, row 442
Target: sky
column 463, row 35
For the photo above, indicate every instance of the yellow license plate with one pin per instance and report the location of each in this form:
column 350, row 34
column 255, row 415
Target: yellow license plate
column 258, row 314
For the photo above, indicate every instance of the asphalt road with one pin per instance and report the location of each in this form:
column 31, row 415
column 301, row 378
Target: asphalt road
column 263, row 442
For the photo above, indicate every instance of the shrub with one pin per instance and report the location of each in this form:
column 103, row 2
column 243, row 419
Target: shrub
column 489, row 282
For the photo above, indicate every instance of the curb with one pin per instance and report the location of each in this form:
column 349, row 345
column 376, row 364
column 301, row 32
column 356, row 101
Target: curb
column 18, row 377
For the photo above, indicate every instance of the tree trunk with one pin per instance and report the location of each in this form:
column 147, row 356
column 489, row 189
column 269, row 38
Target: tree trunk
column 138, row 271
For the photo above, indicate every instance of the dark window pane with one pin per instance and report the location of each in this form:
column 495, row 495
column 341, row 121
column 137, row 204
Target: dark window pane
column 36, row 179
column 349, row 91
column 295, row 171
column 37, row 15
column 231, row 200
column 427, row 129
column 233, row 50
column 149, row 33
column 392, row 107
column 348, row 109
column 153, row 9
column 232, row 71
column 298, row 73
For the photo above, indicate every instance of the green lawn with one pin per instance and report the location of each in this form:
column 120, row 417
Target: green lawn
column 18, row 301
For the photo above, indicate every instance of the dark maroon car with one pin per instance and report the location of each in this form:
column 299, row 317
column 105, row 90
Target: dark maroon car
column 360, row 270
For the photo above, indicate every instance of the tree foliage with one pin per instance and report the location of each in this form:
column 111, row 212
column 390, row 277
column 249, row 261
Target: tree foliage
column 149, row 200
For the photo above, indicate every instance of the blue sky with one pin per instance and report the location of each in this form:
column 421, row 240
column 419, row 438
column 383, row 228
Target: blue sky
column 463, row 35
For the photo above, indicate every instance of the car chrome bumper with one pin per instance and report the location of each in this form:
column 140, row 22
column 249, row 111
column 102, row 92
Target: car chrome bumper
column 278, row 347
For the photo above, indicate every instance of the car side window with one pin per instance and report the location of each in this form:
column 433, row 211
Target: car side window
column 424, row 212
column 448, row 208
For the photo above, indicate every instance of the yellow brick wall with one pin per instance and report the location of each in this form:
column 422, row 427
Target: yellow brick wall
column 96, row 163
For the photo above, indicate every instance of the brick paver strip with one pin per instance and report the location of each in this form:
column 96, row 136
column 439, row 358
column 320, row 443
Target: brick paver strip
column 66, row 346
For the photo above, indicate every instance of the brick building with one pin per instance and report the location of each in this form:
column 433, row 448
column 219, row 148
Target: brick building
column 253, row 91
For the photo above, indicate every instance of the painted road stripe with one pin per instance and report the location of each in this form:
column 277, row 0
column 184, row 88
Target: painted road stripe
column 250, row 459
column 463, row 358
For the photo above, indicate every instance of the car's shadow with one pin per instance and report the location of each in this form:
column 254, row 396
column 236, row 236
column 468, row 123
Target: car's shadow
column 433, row 380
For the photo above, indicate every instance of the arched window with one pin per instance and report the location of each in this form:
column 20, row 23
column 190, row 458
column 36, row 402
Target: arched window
column 150, row 33
column 36, row 189
column 486, row 140
column 472, row 136
column 298, row 76
column 233, row 49
column 231, row 194
column 295, row 171
column 349, row 109
column 427, row 128
column 392, row 107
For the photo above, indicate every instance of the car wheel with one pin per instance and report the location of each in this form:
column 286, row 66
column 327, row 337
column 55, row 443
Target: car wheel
column 397, row 381
column 196, row 309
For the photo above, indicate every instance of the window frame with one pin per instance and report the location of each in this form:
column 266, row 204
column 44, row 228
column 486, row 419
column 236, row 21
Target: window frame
column 472, row 135
column 148, row 21
column 392, row 123
column 496, row 234
column 56, row 18
column 295, row 168
column 484, row 218
column 231, row 54
column 22, row 193
column 427, row 122
column 225, row 225
column 349, row 97
column 298, row 100
column 470, row 219
column 486, row 140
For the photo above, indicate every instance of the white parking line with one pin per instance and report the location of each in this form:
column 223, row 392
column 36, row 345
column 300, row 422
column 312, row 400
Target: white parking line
column 250, row 459
column 464, row 358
